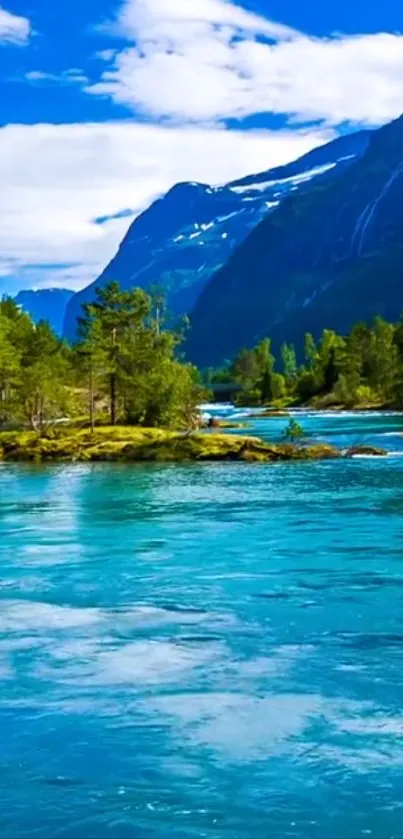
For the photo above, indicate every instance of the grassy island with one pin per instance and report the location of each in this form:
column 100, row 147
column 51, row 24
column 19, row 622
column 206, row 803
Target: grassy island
column 125, row 392
column 130, row 444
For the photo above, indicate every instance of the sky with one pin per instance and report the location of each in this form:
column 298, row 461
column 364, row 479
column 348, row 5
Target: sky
column 107, row 103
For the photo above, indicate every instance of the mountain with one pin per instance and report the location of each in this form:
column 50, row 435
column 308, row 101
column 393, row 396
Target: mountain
column 186, row 236
column 46, row 304
column 326, row 257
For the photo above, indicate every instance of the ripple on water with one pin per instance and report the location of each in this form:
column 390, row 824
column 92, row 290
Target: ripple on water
column 206, row 650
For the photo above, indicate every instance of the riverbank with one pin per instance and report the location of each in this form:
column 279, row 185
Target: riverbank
column 151, row 444
column 261, row 412
column 128, row 444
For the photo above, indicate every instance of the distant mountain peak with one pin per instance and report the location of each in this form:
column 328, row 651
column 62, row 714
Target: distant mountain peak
column 45, row 304
column 186, row 236
column 331, row 255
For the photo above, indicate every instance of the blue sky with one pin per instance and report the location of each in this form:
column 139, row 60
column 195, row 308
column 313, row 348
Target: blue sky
column 106, row 103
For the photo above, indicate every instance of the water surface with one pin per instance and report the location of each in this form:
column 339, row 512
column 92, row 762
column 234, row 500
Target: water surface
column 206, row 650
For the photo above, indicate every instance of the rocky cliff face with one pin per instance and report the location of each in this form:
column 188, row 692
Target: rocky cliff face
column 185, row 237
column 325, row 257
column 46, row 304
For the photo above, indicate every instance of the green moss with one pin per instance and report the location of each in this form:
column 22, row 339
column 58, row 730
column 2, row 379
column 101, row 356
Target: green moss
column 150, row 444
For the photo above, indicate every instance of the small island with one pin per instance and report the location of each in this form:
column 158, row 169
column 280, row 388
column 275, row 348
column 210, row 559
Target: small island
column 129, row 444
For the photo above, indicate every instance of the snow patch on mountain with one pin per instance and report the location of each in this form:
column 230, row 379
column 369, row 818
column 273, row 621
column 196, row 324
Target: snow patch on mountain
column 191, row 232
column 303, row 177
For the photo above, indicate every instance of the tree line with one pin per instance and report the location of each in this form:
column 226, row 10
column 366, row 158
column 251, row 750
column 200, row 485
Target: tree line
column 362, row 368
column 126, row 366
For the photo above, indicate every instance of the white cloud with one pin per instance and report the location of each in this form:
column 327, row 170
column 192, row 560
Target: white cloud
column 163, row 17
column 205, row 60
column 105, row 55
column 73, row 76
column 82, row 172
column 38, row 76
column 13, row 29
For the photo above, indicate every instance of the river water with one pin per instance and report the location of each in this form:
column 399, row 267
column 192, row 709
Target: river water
column 210, row 650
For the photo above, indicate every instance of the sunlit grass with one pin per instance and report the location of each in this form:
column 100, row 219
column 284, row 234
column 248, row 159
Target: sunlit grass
column 128, row 443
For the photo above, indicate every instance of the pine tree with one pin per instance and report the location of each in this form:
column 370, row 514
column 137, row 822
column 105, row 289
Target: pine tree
column 107, row 325
column 265, row 362
column 125, row 343
column 289, row 359
column 310, row 350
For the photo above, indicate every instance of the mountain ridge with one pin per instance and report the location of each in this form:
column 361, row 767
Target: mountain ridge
column 185, row 237
column 45, row 304
column 313, row 262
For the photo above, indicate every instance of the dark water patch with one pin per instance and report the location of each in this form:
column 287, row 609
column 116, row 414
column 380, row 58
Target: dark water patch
column 154, row 545
column 198, row 639
column 182, row 609
column 22, row 510
column 275, row 595
column 368, row 641
column 318, row 579
column 391, row 506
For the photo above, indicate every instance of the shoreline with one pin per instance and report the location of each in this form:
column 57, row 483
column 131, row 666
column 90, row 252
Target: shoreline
column 343, row 410
column 139, row 445
column 251, row 412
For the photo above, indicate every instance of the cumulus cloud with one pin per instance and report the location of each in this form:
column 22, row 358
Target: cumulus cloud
column 13, row 28
column 191, row 65
column 58, row 180
column 208, row 60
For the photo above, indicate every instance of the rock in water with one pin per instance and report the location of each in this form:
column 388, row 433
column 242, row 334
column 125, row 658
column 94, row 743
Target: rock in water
column 367, row 451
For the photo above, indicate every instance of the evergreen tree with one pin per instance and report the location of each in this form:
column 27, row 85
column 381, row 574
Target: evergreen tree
column 107, row 325
column 294, row 431
column 289, row 359
column 384, row 359
column 42, row 392
column 398, row 384
column 9, row 366
column 310, row 350
column 265, row 362
column 245, row 369
column 124, row 341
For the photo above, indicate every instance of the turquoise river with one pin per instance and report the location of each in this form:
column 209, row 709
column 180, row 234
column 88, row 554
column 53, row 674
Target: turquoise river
column 205, row 650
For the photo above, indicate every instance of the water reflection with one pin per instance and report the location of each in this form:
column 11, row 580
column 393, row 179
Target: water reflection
column 211, row 650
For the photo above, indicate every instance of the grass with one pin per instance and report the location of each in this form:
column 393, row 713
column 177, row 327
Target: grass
column 132, row 444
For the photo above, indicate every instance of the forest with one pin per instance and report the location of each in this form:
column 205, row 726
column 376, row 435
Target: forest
column 363, row 368
column 127, row 367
